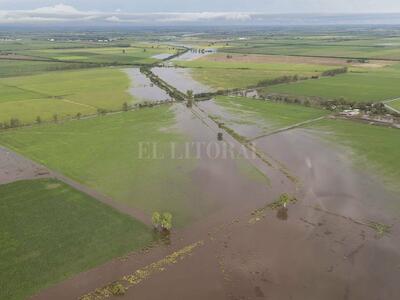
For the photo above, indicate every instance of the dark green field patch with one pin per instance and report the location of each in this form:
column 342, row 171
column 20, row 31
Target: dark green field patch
column 50, row 232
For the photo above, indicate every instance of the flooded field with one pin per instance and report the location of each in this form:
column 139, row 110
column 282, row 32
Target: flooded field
column 181, row 79
column 142, row 89
column 161, row 56
column 246, row 249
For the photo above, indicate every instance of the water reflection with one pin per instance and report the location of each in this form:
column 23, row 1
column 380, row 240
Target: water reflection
column 282, row 213
column 143, row 89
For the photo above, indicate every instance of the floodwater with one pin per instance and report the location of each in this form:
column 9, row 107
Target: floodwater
column 161, row 56
column 181, row 79
column 194, row 54
column 330, row 178
column 143, row 89
column 251, row 127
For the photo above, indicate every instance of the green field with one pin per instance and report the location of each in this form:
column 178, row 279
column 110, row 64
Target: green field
column 370, row 49
column 361, row 86
column 395, row 104
column 106, row 55
column 229, row 75
column 374, row 147
column 104, row 153
column 9, row 68
column 50, row 232
column 274, row 115
column 64, row 93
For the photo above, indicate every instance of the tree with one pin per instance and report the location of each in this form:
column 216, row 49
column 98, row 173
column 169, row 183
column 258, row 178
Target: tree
column 55, row 118
column 190, row 98
column 166, row 221
column 14, row 122
column 156, row 219
column 125, row 106
column 162, row 222
column 38, row 119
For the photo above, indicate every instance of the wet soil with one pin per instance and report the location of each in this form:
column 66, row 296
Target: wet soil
column 14, row 167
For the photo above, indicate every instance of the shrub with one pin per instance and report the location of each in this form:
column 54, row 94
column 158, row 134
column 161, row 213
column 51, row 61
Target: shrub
column 117, row 289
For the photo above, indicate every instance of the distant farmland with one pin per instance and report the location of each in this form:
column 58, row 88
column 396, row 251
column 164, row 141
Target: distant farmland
column 64, row 93
column 229, row 73
column 368, row 85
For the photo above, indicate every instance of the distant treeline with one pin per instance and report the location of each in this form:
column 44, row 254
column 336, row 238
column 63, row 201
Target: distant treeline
column 335, row 72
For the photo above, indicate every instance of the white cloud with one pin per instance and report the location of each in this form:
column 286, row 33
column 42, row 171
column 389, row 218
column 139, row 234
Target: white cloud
column 62, row 13
column 57, row 9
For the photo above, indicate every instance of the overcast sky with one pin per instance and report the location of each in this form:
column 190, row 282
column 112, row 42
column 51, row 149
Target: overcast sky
column 266, row 6
column 179, row 11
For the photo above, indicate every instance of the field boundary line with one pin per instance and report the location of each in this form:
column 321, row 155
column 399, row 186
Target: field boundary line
column 287, row 128
column 387, row 105
column 26, row 90
column 78, row 103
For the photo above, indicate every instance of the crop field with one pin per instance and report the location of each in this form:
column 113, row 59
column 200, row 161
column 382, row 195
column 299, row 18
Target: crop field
column 374, row 147
column 50, row 232
column 361, row 85
column 104, row 153
column 107, row 55
column 227, row 74
column 275, row 115
column 10, row 68
column 395, row 104
column 324, row 47
column 64, row 93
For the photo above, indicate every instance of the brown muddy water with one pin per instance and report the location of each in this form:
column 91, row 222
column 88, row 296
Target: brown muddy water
column 181, row 79
column 142, row 89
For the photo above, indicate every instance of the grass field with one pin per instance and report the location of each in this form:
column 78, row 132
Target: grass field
column 108, row 55
column 374, row 147
column 50, row 232
column 370, row 50
column 362, row 86
column 64, row 93
column 274, row 115
column 228, row 75
column 395, row 104
column 104, row 153
column 9, row 68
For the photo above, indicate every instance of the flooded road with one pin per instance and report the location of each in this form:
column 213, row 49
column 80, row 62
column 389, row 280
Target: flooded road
column 142, row 89
column 194, row 54
column 181, row 79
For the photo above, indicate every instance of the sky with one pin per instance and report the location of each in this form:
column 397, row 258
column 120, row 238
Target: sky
column 188, row 11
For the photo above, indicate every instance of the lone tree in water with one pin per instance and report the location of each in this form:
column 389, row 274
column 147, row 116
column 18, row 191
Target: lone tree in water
column 190, row 98
column 162, row 222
